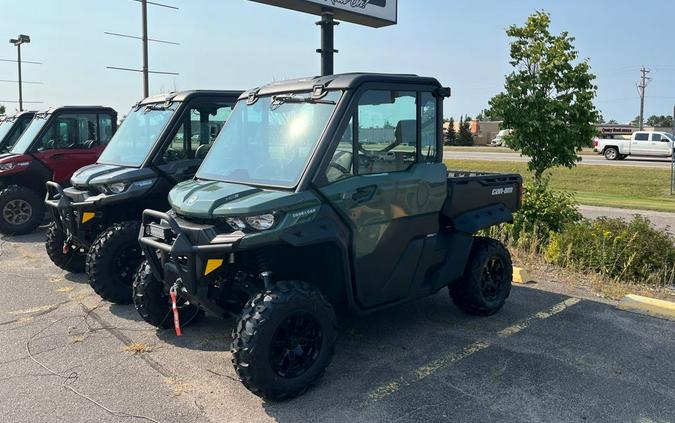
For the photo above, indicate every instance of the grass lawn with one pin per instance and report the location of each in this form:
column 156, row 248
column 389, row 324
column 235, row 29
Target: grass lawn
column 611, row 186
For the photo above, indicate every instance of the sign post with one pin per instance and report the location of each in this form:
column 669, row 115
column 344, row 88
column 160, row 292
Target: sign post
column 373, row 13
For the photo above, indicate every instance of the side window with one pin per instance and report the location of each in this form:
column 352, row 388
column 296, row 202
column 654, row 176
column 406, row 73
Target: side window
column 387, row 131
column 70, row 131
column 429, row 142
column 201, row 125
column 105, row 125
column 341, row 166
column 656, row 137
column 642, row 136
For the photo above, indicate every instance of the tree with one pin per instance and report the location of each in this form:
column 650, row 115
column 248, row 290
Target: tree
column 660, row 121
column 548, row 98
column 2, row 109
column 451, row 134
column 465, row 137
column 612, row 122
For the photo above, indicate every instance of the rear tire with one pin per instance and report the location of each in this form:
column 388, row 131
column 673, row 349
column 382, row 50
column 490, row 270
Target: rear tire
column 153, row 303
column 72, row 261
column 611, row 153
column 21, row 210
column 284, row 340
column 113, row 260
column 486, row 283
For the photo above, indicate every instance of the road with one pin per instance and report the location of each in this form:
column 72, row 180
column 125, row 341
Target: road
column 598, row 160
column 544, row 357
column 661, row 220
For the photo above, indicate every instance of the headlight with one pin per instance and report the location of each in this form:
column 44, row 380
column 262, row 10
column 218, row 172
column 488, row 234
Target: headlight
column 117, row 188
column 8, row 166
column 262, row 222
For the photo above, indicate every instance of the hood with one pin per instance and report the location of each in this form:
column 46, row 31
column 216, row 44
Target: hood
column 100, row 174
column 210, row 199
column 11, row 158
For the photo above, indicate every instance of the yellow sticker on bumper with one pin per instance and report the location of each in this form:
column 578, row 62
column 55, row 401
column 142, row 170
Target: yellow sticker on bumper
column 87, row 216
column 212, row 264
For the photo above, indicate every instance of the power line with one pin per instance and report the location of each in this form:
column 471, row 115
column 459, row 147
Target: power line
column 22, row 61
column 144, row 38
column 140, row 38
column 23, row 82
column 23, row 101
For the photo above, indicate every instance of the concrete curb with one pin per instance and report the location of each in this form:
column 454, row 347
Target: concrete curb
column 521, row 275
column 648, row 306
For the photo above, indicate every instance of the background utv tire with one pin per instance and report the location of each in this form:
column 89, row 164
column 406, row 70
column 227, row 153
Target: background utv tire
column 21, row 210
column 153, row 303
column 73, row 261
column 486, row 283
column 113, row 260
column 284, row 340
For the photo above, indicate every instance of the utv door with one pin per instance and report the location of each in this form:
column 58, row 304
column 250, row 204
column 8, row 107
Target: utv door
column 71, row 141
column 392, row 194
column 199, row 124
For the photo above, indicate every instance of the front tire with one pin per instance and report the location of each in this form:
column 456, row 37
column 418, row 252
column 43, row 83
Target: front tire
column 73, row 260
column 21, row 210
column 113, row 260
column 284, row 340
column 611, row 153
column 153, row 303
column 486, row 283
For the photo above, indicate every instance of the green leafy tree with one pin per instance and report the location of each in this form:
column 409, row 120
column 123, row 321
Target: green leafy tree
column 660, row 121
column 2, row 109
column 465, row 137
column 612, row 122
column 451, row 134
column 548, row 98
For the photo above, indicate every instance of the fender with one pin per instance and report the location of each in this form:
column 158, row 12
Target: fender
column 475, row 220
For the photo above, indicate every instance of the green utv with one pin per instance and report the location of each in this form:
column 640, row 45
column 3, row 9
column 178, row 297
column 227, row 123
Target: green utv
column 96, row 222
column 320, row 193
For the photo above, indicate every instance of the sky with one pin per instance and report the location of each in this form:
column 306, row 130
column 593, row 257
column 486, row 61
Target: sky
column 240, row 44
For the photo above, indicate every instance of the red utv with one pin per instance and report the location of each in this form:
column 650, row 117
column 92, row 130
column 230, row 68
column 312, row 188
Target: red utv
column 57, row 142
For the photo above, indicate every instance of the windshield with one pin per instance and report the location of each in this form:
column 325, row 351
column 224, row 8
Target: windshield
column 26, row 139
column 5, row 126
column 669, row 135
column 139, row 132
column 270, row 141
column 10, row 131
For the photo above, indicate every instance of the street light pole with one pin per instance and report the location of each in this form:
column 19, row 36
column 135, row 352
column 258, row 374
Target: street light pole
column 21, row 39
column 144, row 17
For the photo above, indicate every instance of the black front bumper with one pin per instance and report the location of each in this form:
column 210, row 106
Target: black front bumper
column 75, row 219
column 180, row 252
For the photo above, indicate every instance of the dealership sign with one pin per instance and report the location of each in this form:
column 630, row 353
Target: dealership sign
column 375, row 13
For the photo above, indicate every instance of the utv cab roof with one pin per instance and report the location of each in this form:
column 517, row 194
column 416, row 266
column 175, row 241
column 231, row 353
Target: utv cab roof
column 17, row 115
column 53, row 110
column 343, row 81
column 185, row 95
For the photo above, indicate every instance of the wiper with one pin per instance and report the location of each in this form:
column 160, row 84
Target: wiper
column 278, row 100
column 158, row 107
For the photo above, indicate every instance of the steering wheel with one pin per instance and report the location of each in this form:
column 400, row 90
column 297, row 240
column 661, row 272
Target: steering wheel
column 339, row 167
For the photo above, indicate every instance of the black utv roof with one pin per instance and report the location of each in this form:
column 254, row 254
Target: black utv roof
column 343, row 81
column 185, row 95
column 17, row 115
column 53, row 110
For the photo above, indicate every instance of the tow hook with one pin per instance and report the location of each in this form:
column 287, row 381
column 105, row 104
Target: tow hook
column 267, row 280
column 173, row 292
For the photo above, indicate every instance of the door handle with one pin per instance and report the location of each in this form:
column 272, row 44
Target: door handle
column 364, row 194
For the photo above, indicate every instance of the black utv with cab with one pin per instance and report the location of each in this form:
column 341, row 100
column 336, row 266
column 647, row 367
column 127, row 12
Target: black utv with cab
column 161, row 142
column 320, row 193
column 11, row 128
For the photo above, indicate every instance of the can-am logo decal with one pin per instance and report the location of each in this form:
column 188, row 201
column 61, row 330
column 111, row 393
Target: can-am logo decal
column 192, row 199
column 358, row 4
column 502, row 191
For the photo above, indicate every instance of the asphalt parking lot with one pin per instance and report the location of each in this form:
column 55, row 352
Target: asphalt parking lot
column 545, row 357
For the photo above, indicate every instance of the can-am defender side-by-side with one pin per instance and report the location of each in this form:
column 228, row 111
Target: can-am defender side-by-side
column 55, row 144
column 11, row 128
column 161, row 142
column 320, row 193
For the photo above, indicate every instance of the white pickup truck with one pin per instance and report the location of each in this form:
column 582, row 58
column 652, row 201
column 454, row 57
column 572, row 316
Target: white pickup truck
column 643, row 143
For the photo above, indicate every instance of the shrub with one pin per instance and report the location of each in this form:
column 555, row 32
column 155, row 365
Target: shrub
column 627, row 251
column 543, row 212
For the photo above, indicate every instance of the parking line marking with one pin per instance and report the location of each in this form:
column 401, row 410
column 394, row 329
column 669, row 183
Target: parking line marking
column 422, row 372
column 558, row 308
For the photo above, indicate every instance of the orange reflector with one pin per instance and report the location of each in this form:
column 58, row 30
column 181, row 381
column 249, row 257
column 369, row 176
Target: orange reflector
column 212, row 264
column 87, row 216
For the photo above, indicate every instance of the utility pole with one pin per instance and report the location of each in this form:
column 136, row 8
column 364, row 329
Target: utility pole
column 327, row 50
column 642, row 85
column 144, row 17
column 145, row 69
